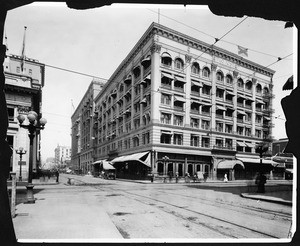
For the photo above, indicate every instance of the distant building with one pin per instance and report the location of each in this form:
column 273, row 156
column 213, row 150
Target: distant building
column 284, row 162
column 82, row 129
column 62, row 155
column 175, row 105
column 24, row 80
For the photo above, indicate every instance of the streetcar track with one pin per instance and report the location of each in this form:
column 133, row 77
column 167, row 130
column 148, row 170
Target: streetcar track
column 247, row 208
column 195, row 212
column 202, row 214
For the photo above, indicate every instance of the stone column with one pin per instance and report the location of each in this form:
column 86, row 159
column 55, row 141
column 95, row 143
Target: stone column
column 235, row 75
column 155, row 82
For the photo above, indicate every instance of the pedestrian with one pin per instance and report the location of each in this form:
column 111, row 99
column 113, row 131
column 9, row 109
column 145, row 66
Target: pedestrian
column 205, row 175
column 57, row 176
column 225, row 178
column 195, row 177
column 176, row 177
column 152, row 177
column 187, row 177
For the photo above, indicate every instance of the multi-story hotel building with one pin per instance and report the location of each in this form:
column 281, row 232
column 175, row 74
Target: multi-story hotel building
column 82, row 131
column 24, row 80
column 176, row 104
column 62, row 155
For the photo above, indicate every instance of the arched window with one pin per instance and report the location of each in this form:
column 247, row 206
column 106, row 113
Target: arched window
column 137, row 72
column 206, row 72
column 249, row 85
column 121, row 88
column 258, row 88
column 266, row 90
column 219, row 76
column 178, row 63
column 240, row 83
column 229, row 79
column 166, row 59
column 195, row 68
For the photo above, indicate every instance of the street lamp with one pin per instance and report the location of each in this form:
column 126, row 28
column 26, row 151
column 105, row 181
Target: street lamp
column 33, row 126
column 20, row 152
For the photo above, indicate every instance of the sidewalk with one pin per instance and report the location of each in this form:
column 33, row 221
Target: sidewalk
column 50, row 217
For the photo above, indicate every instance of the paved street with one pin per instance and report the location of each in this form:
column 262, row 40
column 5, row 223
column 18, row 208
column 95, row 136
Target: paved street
column 117, row 210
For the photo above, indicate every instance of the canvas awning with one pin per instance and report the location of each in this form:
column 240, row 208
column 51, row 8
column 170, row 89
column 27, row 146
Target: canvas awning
column 288, row 170
column 230, row 164
column 105, row 163
column 251, row 145
column 147, row 59
column 197, row 83
column 177, row 78
column 241, row 112
column 230, row 92
column 167, row 75
column 220, row 108
column 180, row 99
column 241, row 144
column 134, row 157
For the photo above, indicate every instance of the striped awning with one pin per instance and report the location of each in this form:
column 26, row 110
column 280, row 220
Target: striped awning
column 134, row 157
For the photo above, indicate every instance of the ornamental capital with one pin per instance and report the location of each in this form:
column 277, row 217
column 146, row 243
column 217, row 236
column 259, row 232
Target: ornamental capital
column 235, row 74
column 155, row 48
column 213, row 67
column 188, row 58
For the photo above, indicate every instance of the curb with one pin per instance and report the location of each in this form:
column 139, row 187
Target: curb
column 273, row 199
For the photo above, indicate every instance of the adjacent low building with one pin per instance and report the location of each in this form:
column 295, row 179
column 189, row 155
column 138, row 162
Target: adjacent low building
column 179, row 105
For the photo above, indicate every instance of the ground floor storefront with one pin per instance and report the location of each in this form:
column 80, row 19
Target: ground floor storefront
column 215, row 166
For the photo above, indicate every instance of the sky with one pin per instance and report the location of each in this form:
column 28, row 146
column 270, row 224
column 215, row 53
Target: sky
column 96, row 41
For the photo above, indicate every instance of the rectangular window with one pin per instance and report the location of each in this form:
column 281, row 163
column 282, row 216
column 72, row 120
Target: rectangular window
column 219, row 126
column 11, row 114
column 165, row 118
column 165, row 137
column 178, row 139
column 258, row 133
column 206, row 90
column 178, row 120
column 194, row 123
column 247, row 132
column 219, row 93
column 228, row 143
column 194, row 140
column 165, row 99
column 240, row 130
column 205, row 142
column 228, row 128
column 219, row 142
column 205, row 124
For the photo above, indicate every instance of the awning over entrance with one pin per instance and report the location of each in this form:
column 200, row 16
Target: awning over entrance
column 256, row 160
column 230, row 164
column 141, row 157
column 105, row 163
